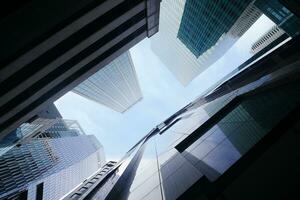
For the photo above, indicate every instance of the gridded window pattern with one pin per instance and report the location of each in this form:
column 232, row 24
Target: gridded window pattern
column 115, row 86
column 245, row 21
column 204, row 22
column 274, row 33
column 60, row 129
column 59, row 184
column 181, row 62
column 23, row 164
column 49, row 128
column 97, row 178
column 64, row 162
column 170, row 50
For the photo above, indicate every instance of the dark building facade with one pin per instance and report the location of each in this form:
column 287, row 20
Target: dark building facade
column 49, row 47
column 49, row 112
column 281, row 15
column 238, row 142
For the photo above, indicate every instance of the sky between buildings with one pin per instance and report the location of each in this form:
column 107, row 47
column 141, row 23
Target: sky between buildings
column 163, row 95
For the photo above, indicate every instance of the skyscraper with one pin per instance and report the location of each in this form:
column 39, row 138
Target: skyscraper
column 204, row 23
column 74, row 166
column 274, row 33
column 170, row 45
column 46, row 159
column 280, row 15
column 220, row 146
column 70, row 41
column 115, row 85
column 165, row 44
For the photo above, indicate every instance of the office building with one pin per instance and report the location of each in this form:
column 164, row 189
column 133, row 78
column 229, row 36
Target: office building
column 51, row 47
column 273, row 34
column 204, row 23
column 47, row 159
column 281, row 15
column 165, row 44
column 115, row 85
column 240, row 141
column 168, row 44
column 28, row 132
column 74, row 166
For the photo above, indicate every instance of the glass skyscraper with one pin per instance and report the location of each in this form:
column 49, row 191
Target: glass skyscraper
column 172, row 49
column 203, row 23
column 169, row 49
column 47, row 158
column 78, row 158
column 115, row 85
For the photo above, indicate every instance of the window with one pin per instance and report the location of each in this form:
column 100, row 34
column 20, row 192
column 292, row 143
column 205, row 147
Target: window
column 39, row 191
column 23, row 195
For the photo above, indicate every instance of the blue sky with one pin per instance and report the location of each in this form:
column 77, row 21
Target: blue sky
column 162, row 95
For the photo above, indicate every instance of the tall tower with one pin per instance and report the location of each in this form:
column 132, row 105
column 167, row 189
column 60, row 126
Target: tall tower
column 180, row 33
column 204, row 23
column 73, row 167
column 115, row 86
column 47, row 158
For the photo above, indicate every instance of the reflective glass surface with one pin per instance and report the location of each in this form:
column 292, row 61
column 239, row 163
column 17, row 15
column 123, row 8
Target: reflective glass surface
column 218, row 138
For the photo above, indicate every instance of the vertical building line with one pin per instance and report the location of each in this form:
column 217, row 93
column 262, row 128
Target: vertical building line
column 158, row 168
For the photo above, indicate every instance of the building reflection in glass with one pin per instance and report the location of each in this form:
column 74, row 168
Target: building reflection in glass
column 201, row 143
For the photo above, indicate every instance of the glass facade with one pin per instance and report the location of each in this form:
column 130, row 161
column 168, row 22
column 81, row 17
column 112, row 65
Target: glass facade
column 197, row 145
column 23, row 164
column 173, row 52
column 204, row 22
column 74, row 166
column 54, row 153
column 169, row 49
column 280, row 15
column 115, row 85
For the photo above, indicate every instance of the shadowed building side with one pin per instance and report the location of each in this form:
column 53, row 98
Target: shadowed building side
column 70, row 41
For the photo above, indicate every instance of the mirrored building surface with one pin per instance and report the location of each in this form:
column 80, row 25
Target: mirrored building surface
column 220, row 144
column 194, row 34
column 47, row 158
column 115, row 85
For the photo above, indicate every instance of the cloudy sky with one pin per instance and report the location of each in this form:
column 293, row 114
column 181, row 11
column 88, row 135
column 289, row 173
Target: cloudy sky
column 162, row 95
